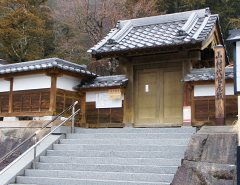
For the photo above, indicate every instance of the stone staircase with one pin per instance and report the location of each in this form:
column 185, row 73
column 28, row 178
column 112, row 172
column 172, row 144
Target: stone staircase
column 115, row 156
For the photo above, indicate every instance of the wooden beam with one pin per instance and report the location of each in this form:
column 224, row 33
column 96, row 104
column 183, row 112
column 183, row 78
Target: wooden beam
column 173, row 57
column 56, row 74
column 220, row 85
column 101, row 88
column 208, row 82
column 80, row 93
column 19, row 114
column 208, row 40
column 123, row 61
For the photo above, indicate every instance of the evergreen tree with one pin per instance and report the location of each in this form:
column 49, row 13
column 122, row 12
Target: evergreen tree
column 22, row 29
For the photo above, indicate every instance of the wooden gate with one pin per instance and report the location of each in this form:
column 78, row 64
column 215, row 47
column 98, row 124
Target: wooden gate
column 158, row 97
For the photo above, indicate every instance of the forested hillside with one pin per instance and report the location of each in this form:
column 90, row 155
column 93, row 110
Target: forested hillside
column 34, row 29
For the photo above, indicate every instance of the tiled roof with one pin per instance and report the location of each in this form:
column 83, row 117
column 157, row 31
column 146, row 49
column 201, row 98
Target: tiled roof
column 163, row 30
column 205, row 74
column 234, row 36
column 103, row 81
column 45, row 64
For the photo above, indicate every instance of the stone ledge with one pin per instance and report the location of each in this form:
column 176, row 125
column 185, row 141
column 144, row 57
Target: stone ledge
column 215, row 129
column 31, row 123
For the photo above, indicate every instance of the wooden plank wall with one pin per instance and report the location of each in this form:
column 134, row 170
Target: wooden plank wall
column 106, row 115
column 66, row 98
column 31, row 101
column 4, row 102
column 204, row 108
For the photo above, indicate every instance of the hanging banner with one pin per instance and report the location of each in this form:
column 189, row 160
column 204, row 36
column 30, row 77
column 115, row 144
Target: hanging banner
column 114, row 93
column 187, row 114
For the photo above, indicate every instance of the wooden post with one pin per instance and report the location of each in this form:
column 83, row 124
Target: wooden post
column 187, row 92
column 220, row 85
column 10, row 109
column 53, row 92
column 128, row 98
column 83, row 107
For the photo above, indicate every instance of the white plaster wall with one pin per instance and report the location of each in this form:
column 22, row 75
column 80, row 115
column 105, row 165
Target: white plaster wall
column 39, row 81
column 238, row 66
column 102, row 101
column 4, row 85
column 67, row 82
column 91, row 96
column 209, row 90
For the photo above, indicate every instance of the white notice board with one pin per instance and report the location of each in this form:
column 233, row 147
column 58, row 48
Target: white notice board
column 103, row 101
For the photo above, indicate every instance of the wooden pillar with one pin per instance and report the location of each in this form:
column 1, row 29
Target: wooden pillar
column 220, row 85
column 186, row 89
column 53, row 93
column 10, row 102
column 128, row 98
column 83, row 107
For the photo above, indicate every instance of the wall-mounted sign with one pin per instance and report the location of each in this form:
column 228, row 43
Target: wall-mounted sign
column 114, row 93
column 103, row 101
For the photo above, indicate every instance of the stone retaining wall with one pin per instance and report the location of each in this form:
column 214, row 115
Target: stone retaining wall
column 210, row 159
column 11, row 137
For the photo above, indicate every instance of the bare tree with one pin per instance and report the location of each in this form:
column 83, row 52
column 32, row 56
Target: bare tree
column 83, row 23
column 96, row 17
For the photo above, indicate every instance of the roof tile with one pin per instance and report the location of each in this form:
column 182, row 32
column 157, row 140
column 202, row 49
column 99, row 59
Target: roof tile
column 103, row 81
column 165, row 28
column 205, row 74
column 43, row 64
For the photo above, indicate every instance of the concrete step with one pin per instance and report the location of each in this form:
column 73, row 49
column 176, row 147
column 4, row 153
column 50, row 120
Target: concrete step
column 129, row 154
column 120, row 147
column 111, row 160
column 125, row 156
column 148, row 177
column 106, row 167
column 130, row 136
column 126, row 141
column 64, row 181
column 137, row 130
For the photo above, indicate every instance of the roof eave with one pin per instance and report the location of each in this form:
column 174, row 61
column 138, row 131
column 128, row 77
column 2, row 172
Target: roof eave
column 141, row 51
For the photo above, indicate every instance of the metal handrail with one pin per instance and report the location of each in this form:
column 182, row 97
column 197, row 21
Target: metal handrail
column 21, row 144
column 36, row 144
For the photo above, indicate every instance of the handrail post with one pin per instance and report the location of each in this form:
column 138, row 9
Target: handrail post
column 73, row 111
column 34, row 153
